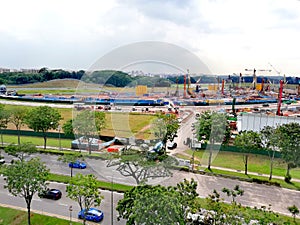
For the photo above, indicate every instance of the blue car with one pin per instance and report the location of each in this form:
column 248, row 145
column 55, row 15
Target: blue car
column 92, row 214
column 77, row 164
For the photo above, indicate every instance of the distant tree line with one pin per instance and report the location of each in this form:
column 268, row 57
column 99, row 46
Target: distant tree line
column 42, row 75
column 122, row 79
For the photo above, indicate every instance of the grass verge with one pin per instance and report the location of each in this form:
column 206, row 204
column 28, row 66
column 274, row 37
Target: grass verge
column 19, row 217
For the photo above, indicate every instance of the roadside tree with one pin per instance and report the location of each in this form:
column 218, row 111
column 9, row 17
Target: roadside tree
column 147, row 204
column 67, row 127
column 165, row 128
column 270, row 137
column 20, row 151
column 89, row 125
column 17, row 118
column 4, row 119
column 25, row 178
column 289, row 143
column 42, row 119
column 212, row 127
column 140, row 168
column 84, row 190
column 246, row 141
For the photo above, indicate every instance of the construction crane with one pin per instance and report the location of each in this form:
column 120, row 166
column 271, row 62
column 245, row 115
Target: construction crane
column 279, row 99
column 254, row 75
column 278, row 72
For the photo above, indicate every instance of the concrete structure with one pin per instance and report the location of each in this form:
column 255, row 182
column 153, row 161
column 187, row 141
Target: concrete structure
column 257, row 121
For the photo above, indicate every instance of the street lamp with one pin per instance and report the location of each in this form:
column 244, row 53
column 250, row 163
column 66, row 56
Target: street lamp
column 70, row 209
column 59, row 129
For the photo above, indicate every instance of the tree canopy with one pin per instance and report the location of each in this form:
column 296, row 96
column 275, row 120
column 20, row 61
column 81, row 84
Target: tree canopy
column 84, row 190
column 148, row 204
column 42, row 119
column 25, row 178
column 248, row 140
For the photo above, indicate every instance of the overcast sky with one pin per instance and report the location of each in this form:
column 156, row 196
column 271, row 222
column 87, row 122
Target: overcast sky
column 228, row 36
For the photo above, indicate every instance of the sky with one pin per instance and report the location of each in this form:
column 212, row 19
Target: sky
column 228, row 36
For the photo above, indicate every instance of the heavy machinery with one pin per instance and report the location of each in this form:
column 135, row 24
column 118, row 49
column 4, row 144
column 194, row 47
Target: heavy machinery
column 189, row 90
column 279, row 99
column 255, row 77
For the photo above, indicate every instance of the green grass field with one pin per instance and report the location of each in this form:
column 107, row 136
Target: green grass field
column 117, row 124
column 9, row 216
column 256, row 163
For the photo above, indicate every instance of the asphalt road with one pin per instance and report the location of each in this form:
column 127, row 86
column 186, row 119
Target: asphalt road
column 61, row 207
column 255, row 194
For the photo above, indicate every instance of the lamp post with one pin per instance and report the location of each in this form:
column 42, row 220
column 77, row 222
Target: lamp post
column 59, row 129
column 70, row 209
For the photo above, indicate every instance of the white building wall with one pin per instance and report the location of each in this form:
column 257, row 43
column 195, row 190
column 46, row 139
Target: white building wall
column 257, row 121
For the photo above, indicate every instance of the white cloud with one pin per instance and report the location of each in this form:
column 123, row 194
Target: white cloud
column 226, row 35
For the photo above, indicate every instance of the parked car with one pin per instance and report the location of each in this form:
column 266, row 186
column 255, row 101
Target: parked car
column 172, row 145
column 54, row 194
column 92, row 214
column 77, row 164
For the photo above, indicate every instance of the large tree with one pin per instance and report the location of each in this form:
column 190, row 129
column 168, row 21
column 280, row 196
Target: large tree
column 247, row 141
column 88, row 124
column 289, row 143
column 140, row 168
column 149, row 204
column 270, row 137
column 17, row 118
column 84, row 190
column 212, row 127
column 42, row 119
column 4, row 119
column 165, row 128
column 25, row 178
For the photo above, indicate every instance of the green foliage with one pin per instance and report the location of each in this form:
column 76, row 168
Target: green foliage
column 246, row 141
column 148, row 204
column 25, row 178
column 121, row 79
column 88, row 124
column 165, row 127
column 234, row 213
column 294, row 210
column 289, row 144
column 18, row 217
column 17, row 117
column 4, row 119
column 21, row 150
column 68, row 127
column 42, row 75
column 42, row 119
column 84, row 190
column 140, row 168
column 233, row 193
column 213, row 126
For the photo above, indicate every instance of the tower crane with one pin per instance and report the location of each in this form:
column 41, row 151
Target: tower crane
column 254, row 75
column 278, row 72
